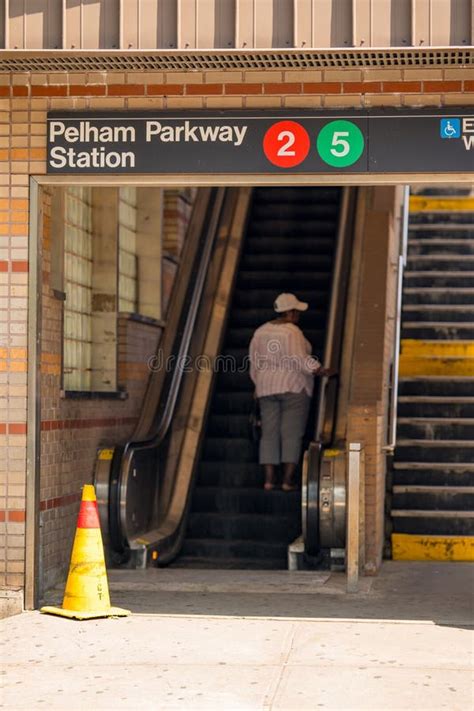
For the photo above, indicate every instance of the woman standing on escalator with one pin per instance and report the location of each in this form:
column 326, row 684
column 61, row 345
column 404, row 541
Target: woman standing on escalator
column 282, row 370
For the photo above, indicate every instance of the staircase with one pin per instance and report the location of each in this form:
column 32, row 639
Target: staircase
column 433, row 476
column 289, row 246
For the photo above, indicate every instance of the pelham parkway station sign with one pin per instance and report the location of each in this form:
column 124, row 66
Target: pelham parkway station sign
column 251, row 142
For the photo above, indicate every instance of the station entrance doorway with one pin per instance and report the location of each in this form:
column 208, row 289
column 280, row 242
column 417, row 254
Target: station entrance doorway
column 143, row 383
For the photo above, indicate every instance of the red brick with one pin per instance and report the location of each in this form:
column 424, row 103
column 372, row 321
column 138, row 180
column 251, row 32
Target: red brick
column 469, row 85
column 399, row 87
column 327, row 87
column 19, row 91
column 4, row 91
column 56, row 90
column 442, row 86
column 87, row 90
column 2, row 515
column 19, row 265
column 17, row 428
column 243, row 88
column 203, row 89
column 126, row 90
column 165, row 89
column 3, row 428
column 16, row 516
column 275, row 88
column 361, row 87
column 3, row 266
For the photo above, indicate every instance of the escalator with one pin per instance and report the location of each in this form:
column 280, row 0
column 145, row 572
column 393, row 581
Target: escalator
column 289, row 246
column 187, row 486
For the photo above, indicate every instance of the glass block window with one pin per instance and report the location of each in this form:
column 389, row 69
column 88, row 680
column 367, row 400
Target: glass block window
column 78, row 287
column 127, row 287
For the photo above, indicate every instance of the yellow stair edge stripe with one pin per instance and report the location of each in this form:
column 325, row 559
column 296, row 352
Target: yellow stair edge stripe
column 419, row 203
column 406, row 546
column 423, row 348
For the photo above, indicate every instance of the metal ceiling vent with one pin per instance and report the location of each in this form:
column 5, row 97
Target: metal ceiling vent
column 80, row 61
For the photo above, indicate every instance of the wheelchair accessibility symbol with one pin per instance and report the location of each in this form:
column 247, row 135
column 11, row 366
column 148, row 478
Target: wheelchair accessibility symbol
column 450, row 128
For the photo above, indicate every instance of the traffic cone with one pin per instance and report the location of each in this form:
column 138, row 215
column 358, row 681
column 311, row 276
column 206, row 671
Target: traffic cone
column 87, row 591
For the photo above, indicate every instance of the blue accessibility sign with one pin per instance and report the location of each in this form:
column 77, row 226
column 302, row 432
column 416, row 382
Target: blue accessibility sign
column 450, row 128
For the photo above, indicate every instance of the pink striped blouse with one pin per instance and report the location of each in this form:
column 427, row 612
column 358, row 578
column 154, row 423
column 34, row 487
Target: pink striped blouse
column 281, row 360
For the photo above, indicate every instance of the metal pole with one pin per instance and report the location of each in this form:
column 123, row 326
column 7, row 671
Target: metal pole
column 402, row 259
column 354, row 537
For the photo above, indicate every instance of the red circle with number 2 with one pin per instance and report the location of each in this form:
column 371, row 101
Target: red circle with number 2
column 286, row 144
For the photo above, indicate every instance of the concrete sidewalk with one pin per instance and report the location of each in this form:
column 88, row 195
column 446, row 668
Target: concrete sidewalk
column 230, row 640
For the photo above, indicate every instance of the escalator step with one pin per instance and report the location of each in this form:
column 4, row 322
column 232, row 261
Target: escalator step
column 207, row 562
column 291, row 262
column 262, row 527
column 245, row 501
column 290, row 228
column 230, row 473
column 437, row 387
column 289, row 246
column 250, row 550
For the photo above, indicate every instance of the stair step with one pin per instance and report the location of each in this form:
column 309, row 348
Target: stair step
column 438, row 247
column 440, row 408
column 205, row 562
column 439, row 313
column 291, row 262
column 247, row 298
column 431, row 430
column 283, row 280
column 245, row 501
column 438, row 386
column 442, row 330
column 432, row 498
column 433, row 523
column 292, row 214
column 289, row 245
column 438, row 296
column 441, row 231
column 434, row 474
column 431, row 451
column 446, row 219
column 262, row 527
column 438, row 278
column 237, row 548
column 230, row 473
column 291, row 228
column 258, row 316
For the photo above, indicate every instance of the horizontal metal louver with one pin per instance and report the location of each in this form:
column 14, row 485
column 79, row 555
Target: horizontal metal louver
column 80, row 61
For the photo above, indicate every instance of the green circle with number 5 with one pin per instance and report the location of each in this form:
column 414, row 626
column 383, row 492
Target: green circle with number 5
column 340, row 143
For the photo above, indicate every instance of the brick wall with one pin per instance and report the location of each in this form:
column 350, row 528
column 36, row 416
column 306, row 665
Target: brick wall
column 24, row 100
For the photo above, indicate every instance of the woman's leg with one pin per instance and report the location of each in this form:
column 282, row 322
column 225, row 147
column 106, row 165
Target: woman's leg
column 295, row 408
column 270, row 413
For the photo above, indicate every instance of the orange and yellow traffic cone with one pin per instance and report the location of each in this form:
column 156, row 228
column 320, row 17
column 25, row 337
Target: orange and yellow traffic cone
column 87, row 591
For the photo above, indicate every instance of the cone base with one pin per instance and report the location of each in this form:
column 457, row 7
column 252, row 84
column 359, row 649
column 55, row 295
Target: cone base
column 86, row 614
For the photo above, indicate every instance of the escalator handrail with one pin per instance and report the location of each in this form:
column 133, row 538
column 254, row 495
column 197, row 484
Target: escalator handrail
column 163, row 425
column 326, row 415
column 183, row 350
column 324, row 425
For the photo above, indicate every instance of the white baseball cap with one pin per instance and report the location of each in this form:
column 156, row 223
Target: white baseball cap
column 288, row 302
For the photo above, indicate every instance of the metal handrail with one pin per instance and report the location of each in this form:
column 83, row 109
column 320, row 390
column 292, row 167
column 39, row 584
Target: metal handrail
column 325, row 420
column 334, row 311
column 402, row 260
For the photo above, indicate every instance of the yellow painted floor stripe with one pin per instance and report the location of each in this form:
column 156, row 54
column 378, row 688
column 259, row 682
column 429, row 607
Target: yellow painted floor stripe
column 419, row 348
column 418, row 358
column 406, row 546
column 420, row 203
column 436, row 366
